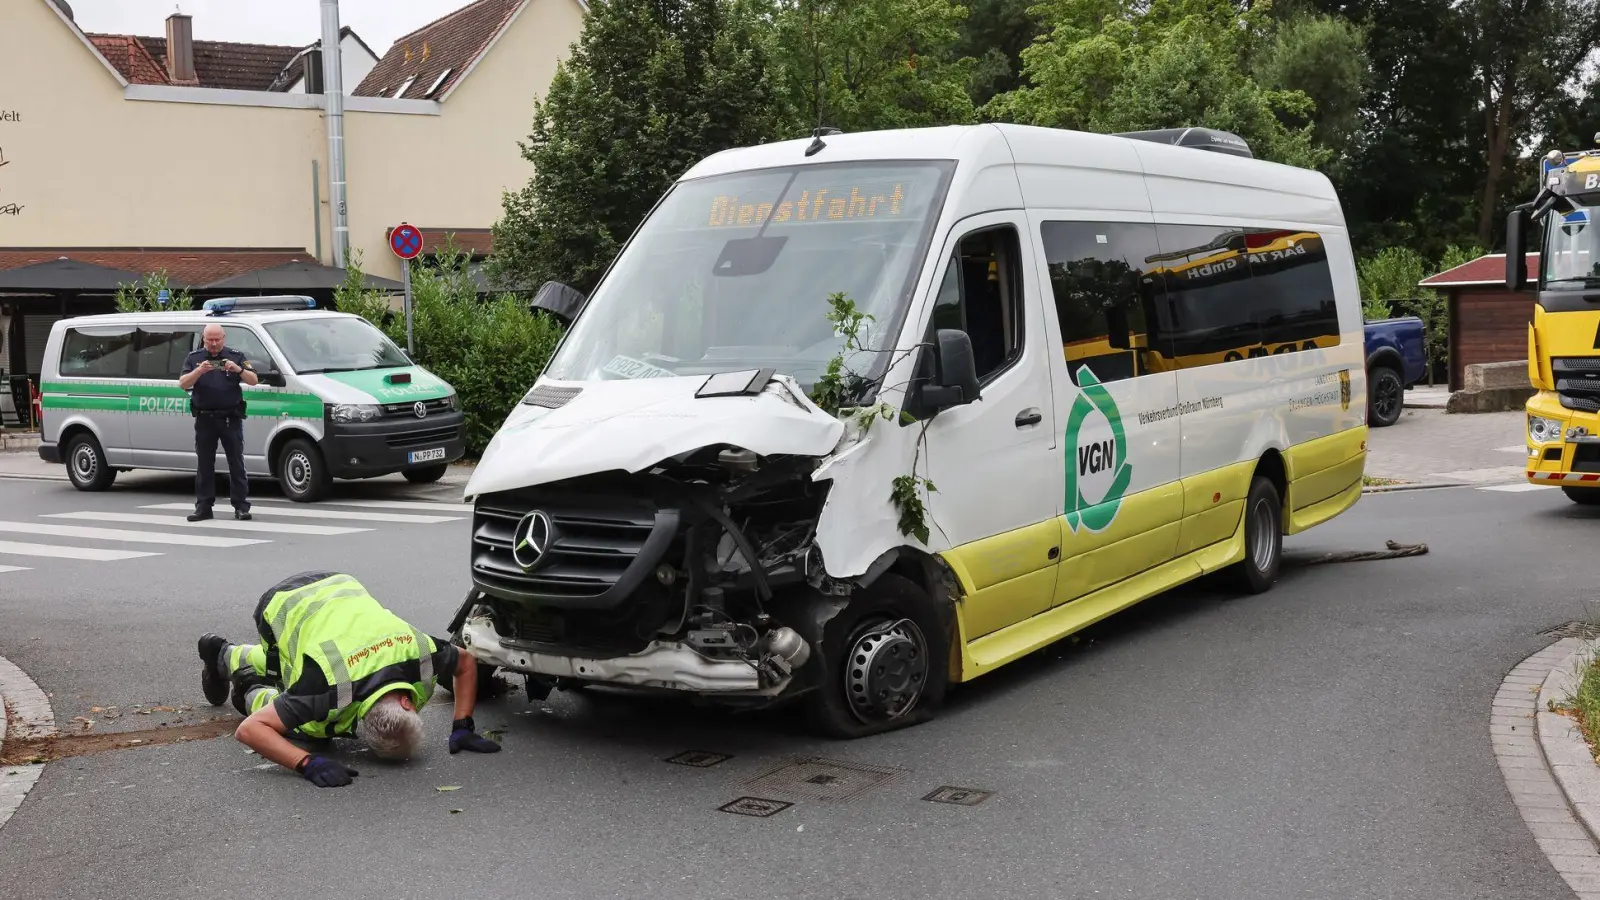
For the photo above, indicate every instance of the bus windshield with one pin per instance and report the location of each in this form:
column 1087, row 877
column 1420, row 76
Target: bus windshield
column 734, row 272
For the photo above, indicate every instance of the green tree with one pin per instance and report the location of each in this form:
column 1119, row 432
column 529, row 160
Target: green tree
column 651, row 87
column 861, row 65
column 994, row 35
column 144, row 295
column 1325, row 58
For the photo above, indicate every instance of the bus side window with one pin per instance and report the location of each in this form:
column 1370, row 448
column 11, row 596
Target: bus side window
column 1103, row 294
column 981, row 294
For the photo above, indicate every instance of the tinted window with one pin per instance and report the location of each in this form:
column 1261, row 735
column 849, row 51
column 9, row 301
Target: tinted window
column 1234, row 293
column 98, row 352
column 237, row 337
column 1103, row 295
column 161, row 351
column 981, row 294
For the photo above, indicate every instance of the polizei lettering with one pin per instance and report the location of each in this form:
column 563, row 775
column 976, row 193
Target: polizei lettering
column 1095, row 457
column 164, row 404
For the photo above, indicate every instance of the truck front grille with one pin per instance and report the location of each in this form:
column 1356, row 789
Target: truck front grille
column 1577, row 382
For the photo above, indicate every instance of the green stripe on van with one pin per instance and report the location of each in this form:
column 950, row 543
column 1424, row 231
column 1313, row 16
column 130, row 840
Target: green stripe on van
column 165, row 399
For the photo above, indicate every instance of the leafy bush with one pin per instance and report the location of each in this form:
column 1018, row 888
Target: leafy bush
column 145, row 295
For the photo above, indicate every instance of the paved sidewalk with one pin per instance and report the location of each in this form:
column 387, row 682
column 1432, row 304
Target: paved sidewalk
column 1429, row 446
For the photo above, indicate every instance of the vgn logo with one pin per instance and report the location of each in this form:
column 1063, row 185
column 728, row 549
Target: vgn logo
column 1099, row 475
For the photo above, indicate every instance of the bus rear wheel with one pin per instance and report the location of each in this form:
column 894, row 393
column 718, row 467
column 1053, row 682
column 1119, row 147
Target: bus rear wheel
column 1263, row 538
column 1583, row 496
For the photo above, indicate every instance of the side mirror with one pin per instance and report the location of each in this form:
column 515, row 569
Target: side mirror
column 559, row 300
column 274, row 379
column 1517, row 249
column 956, row 383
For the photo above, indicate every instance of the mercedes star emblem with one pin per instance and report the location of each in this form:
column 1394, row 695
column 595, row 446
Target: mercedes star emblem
column 420, row 408
column 531, row 539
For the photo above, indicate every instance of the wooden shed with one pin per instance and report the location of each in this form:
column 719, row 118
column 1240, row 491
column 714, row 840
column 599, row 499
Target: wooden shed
column 1487, row 322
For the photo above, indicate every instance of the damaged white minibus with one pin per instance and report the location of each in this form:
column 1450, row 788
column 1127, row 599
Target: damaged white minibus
column 1093, row 367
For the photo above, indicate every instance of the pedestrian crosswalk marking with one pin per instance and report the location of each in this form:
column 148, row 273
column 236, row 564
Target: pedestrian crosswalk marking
column 126, row 534
column 376, row 504
column 356, row 514
column 5, row 569
column 58, row 552
column 225, row 524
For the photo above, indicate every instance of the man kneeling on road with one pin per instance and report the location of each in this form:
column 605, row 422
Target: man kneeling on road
column 334, row 662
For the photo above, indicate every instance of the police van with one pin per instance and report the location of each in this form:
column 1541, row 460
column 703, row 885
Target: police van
column 1073, row 371
column 335, row 397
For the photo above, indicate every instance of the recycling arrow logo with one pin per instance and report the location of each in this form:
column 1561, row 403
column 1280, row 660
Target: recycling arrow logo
column 1096, row 456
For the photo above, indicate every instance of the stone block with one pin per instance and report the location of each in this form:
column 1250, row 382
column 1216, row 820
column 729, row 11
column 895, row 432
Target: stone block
column 1486, row 401
column 1495, row 376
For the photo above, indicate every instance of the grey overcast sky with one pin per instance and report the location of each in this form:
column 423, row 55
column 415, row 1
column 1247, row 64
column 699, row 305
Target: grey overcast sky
column 297, row 22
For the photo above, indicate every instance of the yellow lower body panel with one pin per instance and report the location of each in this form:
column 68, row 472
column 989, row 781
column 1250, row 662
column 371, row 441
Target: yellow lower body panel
column 1324, row 477
column 1212, row 504
column 1006, row 578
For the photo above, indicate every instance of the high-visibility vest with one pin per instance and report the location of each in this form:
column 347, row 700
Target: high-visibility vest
column 363, row 650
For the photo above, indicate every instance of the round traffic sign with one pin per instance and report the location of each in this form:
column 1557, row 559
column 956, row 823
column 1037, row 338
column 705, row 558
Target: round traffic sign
column 405, row 241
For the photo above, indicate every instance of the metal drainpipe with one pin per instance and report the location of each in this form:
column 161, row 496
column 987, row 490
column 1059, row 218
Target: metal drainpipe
column 333, row 94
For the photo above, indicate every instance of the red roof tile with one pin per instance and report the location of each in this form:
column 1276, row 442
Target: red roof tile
column 184, row 266
column 444, row 47
column 1490, row 269
column 229, row 65
column 130, row 58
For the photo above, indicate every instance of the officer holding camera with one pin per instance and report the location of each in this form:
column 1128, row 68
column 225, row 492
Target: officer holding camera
column 215, row 374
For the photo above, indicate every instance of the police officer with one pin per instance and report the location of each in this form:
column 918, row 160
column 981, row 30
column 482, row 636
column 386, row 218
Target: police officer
column 333, row 662
column 215, row 374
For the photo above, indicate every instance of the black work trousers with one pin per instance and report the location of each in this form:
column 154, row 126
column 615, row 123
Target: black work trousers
column 209, row 429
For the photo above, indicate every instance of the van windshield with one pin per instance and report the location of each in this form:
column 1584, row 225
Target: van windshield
column 734, row 272
column 334, row 344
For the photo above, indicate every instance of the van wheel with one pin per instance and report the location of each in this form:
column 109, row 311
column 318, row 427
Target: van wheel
column 884, row 663
column 425, row 474
column 1582, row 496
column 1263, row 538
column 1385, row 397
column 86, row 464
column 302, row 473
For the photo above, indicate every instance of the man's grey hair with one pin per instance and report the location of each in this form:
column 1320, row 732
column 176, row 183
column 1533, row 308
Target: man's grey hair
column 391, row 730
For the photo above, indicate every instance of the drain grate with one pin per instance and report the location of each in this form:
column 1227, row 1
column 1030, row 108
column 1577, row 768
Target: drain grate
column 759, row 807
column 1585, row 630
column 958, row 795
column 700, row 759
column 826, row 780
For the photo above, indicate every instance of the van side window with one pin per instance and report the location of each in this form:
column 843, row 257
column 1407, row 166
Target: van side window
column 981, row 294
column 1099, row 273
column 1236, row 293
column 161, row 351
column 242, row 339
column 102, row 351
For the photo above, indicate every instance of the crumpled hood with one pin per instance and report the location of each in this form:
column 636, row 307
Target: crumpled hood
column 633, row 424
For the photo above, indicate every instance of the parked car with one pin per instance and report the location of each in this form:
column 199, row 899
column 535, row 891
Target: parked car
column 1396, row 361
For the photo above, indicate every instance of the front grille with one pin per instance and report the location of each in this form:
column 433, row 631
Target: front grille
column 602, row 546
column 1577, row 382
column 399, row 410
column 422, row 436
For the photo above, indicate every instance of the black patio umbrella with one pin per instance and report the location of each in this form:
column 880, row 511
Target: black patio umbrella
column 294, row 277
column 68, row 276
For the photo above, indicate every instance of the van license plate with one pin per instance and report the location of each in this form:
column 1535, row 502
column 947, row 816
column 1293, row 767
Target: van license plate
column 427, row 455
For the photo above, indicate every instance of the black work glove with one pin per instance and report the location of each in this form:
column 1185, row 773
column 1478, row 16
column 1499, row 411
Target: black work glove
column 464, row 735
column 324, row 772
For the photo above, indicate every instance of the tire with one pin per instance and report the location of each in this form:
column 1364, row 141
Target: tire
column 1263, row 538
column 1583, row 496
column 426, row 474
column 302, row 473
column 1386, row 395
column 917, row 645
column 86, row 464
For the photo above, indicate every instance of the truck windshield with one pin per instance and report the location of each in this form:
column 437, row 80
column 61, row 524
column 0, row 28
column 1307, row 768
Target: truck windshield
column 1571, row 258
column 334, row 344
column 734, row 272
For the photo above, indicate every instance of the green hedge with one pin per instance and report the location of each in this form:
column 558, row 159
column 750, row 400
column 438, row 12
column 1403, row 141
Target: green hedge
column 491, row 349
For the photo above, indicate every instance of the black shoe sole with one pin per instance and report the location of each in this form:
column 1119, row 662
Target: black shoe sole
column 212, row 683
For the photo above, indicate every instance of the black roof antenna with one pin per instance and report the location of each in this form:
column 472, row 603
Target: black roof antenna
column 816, row 142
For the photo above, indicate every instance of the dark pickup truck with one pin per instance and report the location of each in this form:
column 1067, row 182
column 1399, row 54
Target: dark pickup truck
column 1395, row 361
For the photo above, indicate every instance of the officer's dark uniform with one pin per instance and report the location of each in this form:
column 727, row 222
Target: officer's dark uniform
column 218, row 406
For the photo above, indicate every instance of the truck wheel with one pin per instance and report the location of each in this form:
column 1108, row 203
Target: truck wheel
column 1385, row 397
column 86, row 464
column 1583, row 496
column 1263, row 538
column 425, row 474
column 884, row 663
column 302, row 474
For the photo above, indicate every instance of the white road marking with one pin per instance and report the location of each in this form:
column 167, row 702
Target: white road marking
column 376, row 504
column 14, row 569
column 225, row 524
column 21, row 549
column 124, row 534
column 1516, row 488
column 1520, row 448
column 326, row 514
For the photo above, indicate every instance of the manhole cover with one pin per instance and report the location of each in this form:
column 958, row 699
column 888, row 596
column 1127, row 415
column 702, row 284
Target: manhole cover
column 822, row 779
column 754, row 806
column 958, row 795
column 700, row 759
column 1585, row 630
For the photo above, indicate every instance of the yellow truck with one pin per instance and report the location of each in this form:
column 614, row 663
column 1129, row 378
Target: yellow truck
column 1563, row 416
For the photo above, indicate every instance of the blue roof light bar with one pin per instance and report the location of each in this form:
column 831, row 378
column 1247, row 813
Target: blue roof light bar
column 221, row 306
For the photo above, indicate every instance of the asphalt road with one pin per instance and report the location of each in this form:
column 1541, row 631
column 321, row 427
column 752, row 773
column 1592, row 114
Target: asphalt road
column 1326, row 740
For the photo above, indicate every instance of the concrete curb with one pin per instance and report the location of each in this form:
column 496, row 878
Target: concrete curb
column 1563, row 746
column 24, row 712
column 1422, row 486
